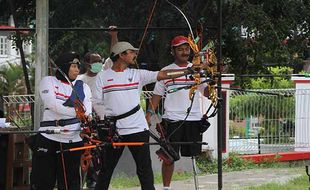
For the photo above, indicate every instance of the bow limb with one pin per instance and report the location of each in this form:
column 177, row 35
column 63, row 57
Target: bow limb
column 86, row 157
column 196, row 59
column 180, row 11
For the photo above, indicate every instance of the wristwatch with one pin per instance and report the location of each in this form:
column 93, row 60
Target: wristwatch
column 150, row 111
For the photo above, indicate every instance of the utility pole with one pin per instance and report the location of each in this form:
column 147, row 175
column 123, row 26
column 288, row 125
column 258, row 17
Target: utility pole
column 220, row 115
column 41, row 61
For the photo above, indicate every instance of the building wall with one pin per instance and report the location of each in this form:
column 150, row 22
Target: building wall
column 8, row 52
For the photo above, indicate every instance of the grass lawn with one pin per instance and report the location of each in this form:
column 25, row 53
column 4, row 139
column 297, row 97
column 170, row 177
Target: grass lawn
column 124, row 180
column 300, row 183
column 234, row 163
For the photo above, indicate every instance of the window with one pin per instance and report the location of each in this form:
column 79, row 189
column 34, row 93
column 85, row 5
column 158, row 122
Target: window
column 3, row 46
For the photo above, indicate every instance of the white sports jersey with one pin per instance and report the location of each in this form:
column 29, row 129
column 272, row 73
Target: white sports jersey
column 91, row 82
column 177, row 103
column 120, row 93
column 108, row 63
column 54, row 93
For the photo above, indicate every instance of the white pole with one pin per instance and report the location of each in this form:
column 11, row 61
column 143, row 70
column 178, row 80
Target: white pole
column 41, row 55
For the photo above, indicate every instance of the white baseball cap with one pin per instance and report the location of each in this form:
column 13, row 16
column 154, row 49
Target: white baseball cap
column 120, row 47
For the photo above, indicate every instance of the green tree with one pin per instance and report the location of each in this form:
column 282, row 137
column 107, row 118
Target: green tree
column 275, row 29
column 274, row 82
column 275, row 32
column 11, row 80
column 135, row 13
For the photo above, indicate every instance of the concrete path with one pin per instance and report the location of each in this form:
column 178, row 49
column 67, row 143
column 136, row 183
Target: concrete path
column 236, row 180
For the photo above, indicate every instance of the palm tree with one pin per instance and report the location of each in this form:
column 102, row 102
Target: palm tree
column 12, row 83
column 11, row 80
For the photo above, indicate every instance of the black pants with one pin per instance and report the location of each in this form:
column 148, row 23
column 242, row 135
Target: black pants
column 47, row 167
column 141, row 155
column 91, row 175
column 190, row 131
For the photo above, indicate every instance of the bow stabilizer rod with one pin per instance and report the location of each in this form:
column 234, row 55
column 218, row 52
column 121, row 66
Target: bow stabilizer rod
column 118, row 144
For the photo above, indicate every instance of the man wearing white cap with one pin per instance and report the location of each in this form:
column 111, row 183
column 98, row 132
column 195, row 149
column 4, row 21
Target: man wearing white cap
column 175, row 111
column 119, row 88
column 94, row 64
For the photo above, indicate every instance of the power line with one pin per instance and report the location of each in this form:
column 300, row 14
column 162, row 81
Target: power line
column 105, row 29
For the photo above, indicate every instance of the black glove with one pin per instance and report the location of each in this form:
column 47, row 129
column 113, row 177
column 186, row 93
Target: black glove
column 204, row 125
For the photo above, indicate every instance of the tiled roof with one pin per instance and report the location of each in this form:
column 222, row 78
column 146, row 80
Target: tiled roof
column 6, row 26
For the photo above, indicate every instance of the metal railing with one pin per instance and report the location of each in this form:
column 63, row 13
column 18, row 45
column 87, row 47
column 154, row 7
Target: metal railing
column 258, row 123
column 262, row 123
column 18, row 99
column 17, row 109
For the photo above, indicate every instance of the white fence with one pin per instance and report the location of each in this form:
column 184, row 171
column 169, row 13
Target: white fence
column 262, row 123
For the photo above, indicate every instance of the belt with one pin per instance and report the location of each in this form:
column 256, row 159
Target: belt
column 134, row 110
column 61, row 122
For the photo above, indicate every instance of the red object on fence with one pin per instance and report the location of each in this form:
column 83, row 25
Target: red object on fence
column 282, row 157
